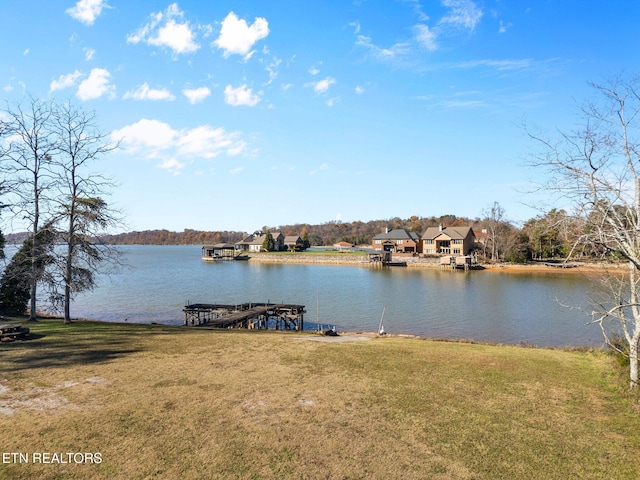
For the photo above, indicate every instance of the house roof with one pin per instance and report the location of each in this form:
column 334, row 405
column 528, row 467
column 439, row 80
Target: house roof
column 343, row 244
column 292, row 239
column 397, row 234
column 257, row 238
column 246, row 240
column 454, row 233
column 223, row 246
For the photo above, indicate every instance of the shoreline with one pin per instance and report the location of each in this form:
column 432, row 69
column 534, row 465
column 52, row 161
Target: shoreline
column 345, row 336
column 431, row 263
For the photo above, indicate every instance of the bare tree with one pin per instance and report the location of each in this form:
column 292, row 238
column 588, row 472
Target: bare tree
column 494, row 219
column 46, row 159
column 80, row 208
column 596, row 169
column 26, row 162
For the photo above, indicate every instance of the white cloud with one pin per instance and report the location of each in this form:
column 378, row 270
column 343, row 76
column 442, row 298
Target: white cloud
column 464, row 104
column 322, row 86
column 396, row 50
column 359, row 90
column 237, row 37
column 314, row 71
column 425, row 37
column 500, row 65
column 154, row 139
column 172, row 166
column 460, row 14
column 208, row 142
column 240, row 96
column 176, row 36
column 163, row 30
column 332, row 101
column 148, row 136
column 96, row 85
column 88, row 53
column 195, row 95
column 236, row 171
column 272, row 69
column 145, row 93
column 324, row 166
column 463, row 13
column 504, row 27
column 86, row 11
column 65, row 81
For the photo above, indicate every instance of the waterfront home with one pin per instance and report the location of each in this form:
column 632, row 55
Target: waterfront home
column 448, row 241
column 254, row 242
column 293, row 242
column 397, row 240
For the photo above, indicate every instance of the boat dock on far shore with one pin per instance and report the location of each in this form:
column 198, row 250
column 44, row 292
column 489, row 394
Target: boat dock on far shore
column 260, row 316
column 222, row 251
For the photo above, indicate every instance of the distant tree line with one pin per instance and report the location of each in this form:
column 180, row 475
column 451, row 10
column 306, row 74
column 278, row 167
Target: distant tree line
column 554, row 235
column 166, row 237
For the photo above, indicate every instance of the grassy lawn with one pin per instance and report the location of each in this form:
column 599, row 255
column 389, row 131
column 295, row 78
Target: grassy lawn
column 315, row 253
column 172, row 402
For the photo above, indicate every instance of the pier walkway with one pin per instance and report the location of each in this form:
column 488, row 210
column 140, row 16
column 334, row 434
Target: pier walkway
column 280, row 316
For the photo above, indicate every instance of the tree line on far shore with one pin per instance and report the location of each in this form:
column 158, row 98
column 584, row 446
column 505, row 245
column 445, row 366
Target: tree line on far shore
column 553, row 235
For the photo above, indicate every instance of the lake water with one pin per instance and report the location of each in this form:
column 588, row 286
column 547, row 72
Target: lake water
column 476, row 305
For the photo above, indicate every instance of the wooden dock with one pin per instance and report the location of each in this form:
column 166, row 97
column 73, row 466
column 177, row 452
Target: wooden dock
column 280, row 316
column 222, row 251
column 385, row 258
column 464, row 262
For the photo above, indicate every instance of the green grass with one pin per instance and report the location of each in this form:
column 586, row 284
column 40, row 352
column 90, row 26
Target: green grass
column 316, row 253
column 172, row 402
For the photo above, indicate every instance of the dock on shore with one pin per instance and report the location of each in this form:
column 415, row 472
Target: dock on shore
column 280, row 316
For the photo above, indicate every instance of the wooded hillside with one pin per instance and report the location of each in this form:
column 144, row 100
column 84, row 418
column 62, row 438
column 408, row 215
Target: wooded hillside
column 358, row 233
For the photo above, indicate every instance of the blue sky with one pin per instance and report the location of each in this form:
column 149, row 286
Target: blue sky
column 235, row 115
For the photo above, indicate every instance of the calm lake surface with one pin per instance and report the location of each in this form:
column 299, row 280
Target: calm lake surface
column 478, row 305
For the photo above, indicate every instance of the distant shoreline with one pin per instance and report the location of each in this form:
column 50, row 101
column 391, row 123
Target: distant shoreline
column 418, row 262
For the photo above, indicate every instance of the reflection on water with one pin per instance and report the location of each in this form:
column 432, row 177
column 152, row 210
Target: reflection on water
column 477, row 305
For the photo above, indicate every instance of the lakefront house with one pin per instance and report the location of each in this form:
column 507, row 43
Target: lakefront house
column 254, row 242
column 448, row 241
column 293, row 242
column 434, row 241
column 397, row 240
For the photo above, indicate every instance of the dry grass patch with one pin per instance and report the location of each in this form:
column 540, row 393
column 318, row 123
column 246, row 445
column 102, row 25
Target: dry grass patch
column 166, row 402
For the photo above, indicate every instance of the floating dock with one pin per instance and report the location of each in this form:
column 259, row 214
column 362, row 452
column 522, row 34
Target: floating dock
column 280, row 316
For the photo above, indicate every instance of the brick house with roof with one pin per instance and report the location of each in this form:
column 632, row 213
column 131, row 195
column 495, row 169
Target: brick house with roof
column 397, row 240
column 448, row 241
